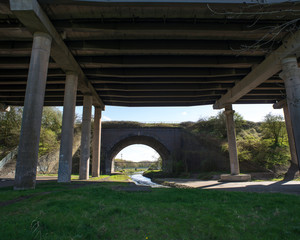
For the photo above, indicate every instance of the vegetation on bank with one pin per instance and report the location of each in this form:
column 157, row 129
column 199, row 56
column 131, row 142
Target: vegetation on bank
column 10, row 127
column 104, row 211
column 123, row 165
column 262, row 145
column 132, row 124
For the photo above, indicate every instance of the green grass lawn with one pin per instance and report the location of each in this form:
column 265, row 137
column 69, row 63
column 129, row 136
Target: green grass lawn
column 97, row 211
column 112, row 178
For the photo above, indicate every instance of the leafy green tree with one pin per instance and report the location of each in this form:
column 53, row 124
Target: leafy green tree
column 268, row 147
column 10, row 126
column 273, row 128
column 52, row 119
column 218, row 124
column 50, row 130
column 48, row 141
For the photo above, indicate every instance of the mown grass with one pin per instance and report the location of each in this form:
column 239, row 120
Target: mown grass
column 113, row 178
column 60, row 211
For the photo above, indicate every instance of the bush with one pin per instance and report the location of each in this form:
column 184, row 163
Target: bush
column 254, row 147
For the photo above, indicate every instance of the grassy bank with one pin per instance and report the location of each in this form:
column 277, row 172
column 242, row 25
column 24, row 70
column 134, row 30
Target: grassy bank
column 99, row 211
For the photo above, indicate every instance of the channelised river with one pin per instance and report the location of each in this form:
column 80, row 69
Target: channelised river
column 139, row 179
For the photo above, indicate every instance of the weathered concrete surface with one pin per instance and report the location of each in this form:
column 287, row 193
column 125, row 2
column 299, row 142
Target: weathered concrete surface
column 235, row 178
column 67, row 133
column 85, row 138
column 289, row 129
column 33, row 17
column 291, row 76
column 96, row 143
column 32, row 113
column 233, row 156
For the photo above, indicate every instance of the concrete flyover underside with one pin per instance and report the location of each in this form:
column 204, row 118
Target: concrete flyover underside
column 147, row 53
column 131, row 53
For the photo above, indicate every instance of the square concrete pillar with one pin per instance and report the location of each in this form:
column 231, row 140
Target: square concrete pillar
column 25, row 176
column 67, row 133
column 233, row 156
column 96, row 143
column 85, row 138
column 235, row 175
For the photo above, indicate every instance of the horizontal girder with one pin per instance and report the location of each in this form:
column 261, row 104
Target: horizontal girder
column 146, row 54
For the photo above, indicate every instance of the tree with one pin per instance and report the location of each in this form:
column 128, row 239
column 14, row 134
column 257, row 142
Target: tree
column 267, row 148
column 50, row 130
column 10, row 126
column 52, row 119
column 273, row 127
column 219, row 123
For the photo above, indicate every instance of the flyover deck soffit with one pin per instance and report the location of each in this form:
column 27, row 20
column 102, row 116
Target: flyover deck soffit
column 161, row 54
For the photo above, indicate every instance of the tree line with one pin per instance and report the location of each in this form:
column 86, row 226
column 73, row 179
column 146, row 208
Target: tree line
column 264, row 144
column 10, row 127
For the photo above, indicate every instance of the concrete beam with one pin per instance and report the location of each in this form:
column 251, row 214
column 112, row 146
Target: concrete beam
column 280, row 104
column 30, row 13
column 266, row 69
column 163, row 47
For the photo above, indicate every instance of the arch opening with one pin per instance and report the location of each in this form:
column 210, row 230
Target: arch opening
column 137, row 157
column 151, row 142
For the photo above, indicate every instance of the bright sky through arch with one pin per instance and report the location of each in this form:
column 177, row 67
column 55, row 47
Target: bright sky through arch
column 137, row 153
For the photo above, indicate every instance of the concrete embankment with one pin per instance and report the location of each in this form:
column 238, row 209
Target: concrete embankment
column 290, row 187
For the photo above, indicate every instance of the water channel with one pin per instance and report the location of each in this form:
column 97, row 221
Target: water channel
column 139, row 179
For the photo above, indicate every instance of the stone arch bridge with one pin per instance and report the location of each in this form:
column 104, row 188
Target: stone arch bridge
column 174, row 144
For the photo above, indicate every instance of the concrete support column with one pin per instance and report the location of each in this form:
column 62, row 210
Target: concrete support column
column 67, row 133
column 85, row 138
column 96, row 143
column 291, row 76
column 32, row 113
column 289, row 130
column 234, row 162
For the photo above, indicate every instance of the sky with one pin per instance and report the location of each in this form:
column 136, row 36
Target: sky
column 250, row 112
